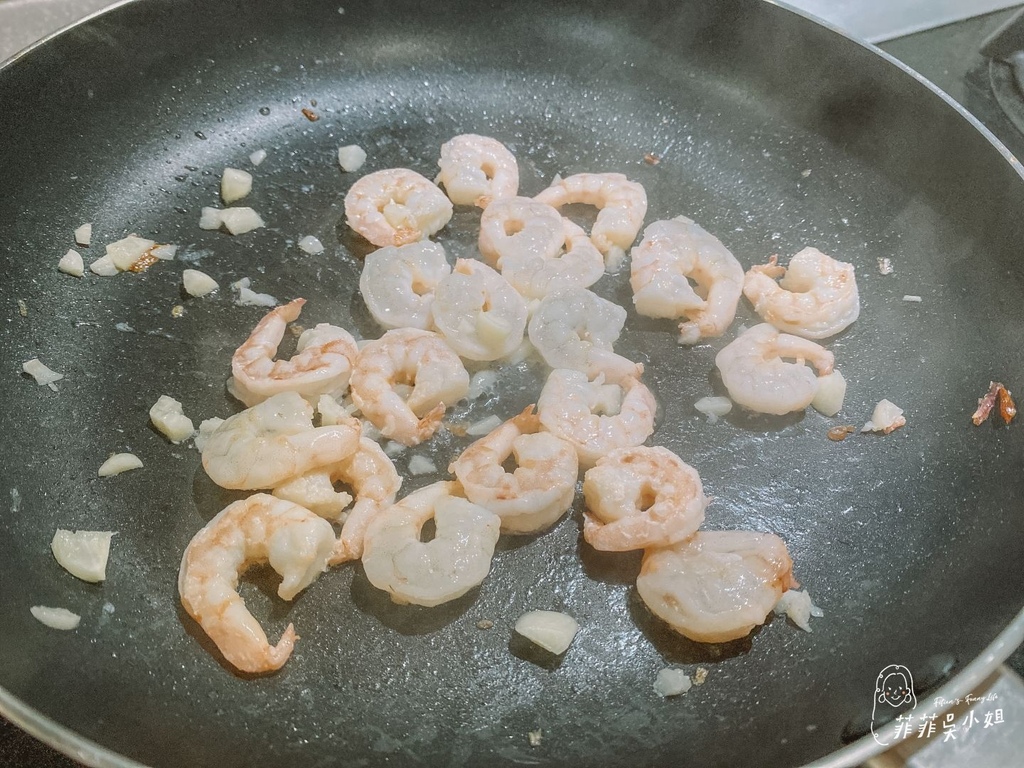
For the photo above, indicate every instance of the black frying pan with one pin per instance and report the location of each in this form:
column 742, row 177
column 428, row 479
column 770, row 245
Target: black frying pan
column 911, row 543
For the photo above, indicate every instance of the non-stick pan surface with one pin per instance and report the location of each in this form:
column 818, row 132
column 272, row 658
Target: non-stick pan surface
column 774, row 134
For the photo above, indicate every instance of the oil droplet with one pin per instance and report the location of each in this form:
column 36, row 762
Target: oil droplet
column 200, row 135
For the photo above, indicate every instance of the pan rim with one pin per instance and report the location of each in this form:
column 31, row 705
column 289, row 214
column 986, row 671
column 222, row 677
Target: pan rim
column 90, row 753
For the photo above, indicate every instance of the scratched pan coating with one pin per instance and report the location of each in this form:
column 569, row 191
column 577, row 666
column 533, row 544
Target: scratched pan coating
column 775, row 134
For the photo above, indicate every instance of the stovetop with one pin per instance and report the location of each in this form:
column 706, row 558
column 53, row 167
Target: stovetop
column 948, row 56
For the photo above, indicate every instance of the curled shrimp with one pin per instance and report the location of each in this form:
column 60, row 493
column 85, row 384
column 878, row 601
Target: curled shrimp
column 718, row 585
column 641, row 497
column 579, row 266
column 407, row 357
column 322, row 363
column 258, row 529
column 398, row 283
column 671, row 254
column 755, row 371
column 622, row 204
column 429, row 573
column 272, row 441
column 816, row 297
column 520, row 227
column 541, row 487
column 476, row 170
column 478, row 313
column 576, row 328
column 595, row 417
column 395, row 207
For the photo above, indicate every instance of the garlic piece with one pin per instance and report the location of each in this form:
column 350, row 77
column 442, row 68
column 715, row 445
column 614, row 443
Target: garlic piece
column 169, row 418
column 258, row 156
column 118, row 463
column 125, row 252
column 103, row 267
column 828, row 400
column 83, row 235
column 238, row 221
column 71, row 263
column 209, row 218
column 351, row 158
column 56, row 618
column 311, row 245
column 44, row 376
column 198, row 283
column 672, row 682
column 235, row 184
column 82, row 553
column 550, row 630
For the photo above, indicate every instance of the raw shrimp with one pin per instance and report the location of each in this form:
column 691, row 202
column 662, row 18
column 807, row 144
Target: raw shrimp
column 535, row 277
column 757, row 376
column 622, row 204
column 398, row 284
column 595, row 417
column 396, row 207
column 540, row 489
column 401, row 358
column 433, row 572
column 641, row 497
column 576, row 328
column 476, row 170
column 718, row 585
column 322, row 363
column 671, row 254
column 258, row 529
column 816, row 297
column 478, row 313
column 520, row 227
column 263, row 446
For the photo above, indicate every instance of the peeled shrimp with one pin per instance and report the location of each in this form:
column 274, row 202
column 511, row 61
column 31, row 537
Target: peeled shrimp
column 258, row 529
column 595, row 417
column 671, row 254
column 478, row 313
column 816, row 297
column 641, row 497
column 476, row 170
column 322, row 363
column 622, row 204
column 754, row 370
column 535, row 277
column 398, row 284
column 520, row 227
column 433, row 572
column 576, row 329
column 402, row 358
column 263, row 446
column 396, row 207
column 718, row 585
column 540, row 489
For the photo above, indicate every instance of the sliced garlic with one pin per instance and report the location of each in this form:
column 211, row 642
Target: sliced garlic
column 71, row 263
column 238, row 221
column 82, row 553
column 118, row 463
column 125, row 252
column 103, row 267
column 56, row 618
column 830, row 395
column 550, row 630
column 83, row 235
column 198, row 283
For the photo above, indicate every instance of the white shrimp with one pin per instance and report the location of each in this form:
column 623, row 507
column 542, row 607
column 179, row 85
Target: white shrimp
column 478, row 313
column 576, row 328
column 718, row 585
column 396, row 207
column 641, row 497
column 580, row 266
column 258, row 529
column 622, row 204
column 755, row 371
column 476, row 170
column 671, row 254
column 322, row 363
column 263, row 446
column 540, row 489
column 520, row 227
column 816, row 298
column 397, row 283
column 401, row 358
column 429, row 573
column 595, row 417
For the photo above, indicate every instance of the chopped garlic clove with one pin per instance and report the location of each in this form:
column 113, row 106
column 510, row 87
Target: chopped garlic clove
column 482, row 383
column 421, row 465
column 713, row 407
column 83, row 235
column 103, row 267
column 169, row 418
column 238, row 221
column 210, row 218
column 71, row 263
column 118, row 463
column 672, row 682
column 311, row 245
column 828, row 400
column 235, row 184
column 886, row 418
column 258, row 156
column 44, row 376
column 165, row 252
column 83, row 553
column 797, row 605
column 351, row 158
column 483, row 427
column 550, row 630
column 125, row 252
column 56, row 618
column 198, row 283
column 249, row 298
